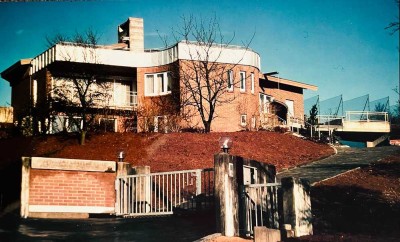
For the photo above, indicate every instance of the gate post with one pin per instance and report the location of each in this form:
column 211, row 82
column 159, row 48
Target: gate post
column 297, row 215
column 226, row 195
column 198, row 182
column 142, row 188
column 121, row 201
column 26, row 167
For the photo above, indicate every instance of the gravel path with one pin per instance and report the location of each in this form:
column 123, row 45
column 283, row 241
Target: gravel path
column 346, row 159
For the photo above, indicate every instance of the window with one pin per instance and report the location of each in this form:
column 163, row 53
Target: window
column 150, row 85
column 253, row 122
column 161, row 83
column 243, row 119
column 108, row 124
column 35, row 92
column 290, row 106
column 230, row 80
column 252, row 83
column 169, row 81
column 158, row 84
column 242, row 81
column 265, row 101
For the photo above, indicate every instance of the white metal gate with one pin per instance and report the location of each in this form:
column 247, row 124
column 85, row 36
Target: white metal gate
column 260, row 206
column 164, row 192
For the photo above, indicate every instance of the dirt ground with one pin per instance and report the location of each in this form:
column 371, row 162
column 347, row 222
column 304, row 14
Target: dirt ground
column 166, row 152
column 361, row 205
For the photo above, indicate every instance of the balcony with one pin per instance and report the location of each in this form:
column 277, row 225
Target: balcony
column 127, row 101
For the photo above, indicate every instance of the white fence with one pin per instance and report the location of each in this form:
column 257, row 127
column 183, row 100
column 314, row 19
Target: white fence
column 260, row 206
column 165, row 192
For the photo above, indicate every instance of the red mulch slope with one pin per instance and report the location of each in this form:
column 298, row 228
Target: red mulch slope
column 175, row 151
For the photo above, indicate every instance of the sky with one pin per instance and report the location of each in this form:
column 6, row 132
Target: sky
column 340, row 46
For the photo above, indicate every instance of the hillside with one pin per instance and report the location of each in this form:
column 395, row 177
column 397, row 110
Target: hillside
column 165, row 152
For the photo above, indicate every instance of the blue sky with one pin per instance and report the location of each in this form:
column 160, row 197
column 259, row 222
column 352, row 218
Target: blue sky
column 340, row 46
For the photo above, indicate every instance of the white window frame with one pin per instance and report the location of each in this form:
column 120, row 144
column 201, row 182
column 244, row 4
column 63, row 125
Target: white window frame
column 243, row 116
column 34, row 92
column 230, row 81
column 158, row 89
column 252, row 83
column 67, row 123
column 114, row 120
column 242, row 76
column 290, row 107
column 253, row 122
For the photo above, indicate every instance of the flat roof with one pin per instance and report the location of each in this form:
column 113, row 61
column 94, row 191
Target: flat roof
column 290, row 82
column 16, row 69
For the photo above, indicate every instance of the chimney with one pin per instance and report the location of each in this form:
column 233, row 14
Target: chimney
column 131, row 32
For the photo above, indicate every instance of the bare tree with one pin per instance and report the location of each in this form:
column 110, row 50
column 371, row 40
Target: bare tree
column 394, row 26
column 79, row 90
column 204, row 79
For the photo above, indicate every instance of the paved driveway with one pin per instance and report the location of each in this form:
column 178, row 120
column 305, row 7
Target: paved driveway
column 346, row 159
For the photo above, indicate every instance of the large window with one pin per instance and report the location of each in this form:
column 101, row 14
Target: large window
column 242, row 81
column 290, row 106
column 252, row 82
column 230, row 80
column 158, row 84
column 34, row 92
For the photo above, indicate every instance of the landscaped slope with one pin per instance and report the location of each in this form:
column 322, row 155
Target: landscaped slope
column 178, row 151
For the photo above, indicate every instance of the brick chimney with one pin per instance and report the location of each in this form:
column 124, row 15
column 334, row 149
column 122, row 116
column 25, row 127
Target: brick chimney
column 132, row 33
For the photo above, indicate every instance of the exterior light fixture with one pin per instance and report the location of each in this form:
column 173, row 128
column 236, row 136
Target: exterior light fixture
column 121, row 156
column 225, row 143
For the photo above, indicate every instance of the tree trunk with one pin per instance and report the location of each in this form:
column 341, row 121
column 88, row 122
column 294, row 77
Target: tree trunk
column 207, row 127
column 83, row 137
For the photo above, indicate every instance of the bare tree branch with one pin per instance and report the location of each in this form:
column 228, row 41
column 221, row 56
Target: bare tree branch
column 204, row 78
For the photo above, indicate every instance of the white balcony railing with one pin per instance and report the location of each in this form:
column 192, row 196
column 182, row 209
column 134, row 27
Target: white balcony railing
column 126, row 100
column 366, row 116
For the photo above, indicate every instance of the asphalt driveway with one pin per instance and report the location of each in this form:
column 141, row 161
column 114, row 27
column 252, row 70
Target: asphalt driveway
column 346, row 159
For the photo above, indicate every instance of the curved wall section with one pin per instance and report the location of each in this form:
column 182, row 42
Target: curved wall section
column 148, row 58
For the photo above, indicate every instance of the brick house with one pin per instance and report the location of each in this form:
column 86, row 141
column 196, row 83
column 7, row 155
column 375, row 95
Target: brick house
column 137, row 78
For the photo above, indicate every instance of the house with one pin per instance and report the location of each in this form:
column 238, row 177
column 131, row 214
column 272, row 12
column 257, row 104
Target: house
column 145, row 88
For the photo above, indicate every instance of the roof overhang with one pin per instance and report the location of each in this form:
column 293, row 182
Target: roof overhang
column 17, row 71
column 290, row 82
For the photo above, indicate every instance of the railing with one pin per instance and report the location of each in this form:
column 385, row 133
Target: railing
column 132, row 99
column 353, row 116
column 366, row 116
column 330, row 120
column 260, row 206
column 295, row 122
column 164, row 193
column 268, row 119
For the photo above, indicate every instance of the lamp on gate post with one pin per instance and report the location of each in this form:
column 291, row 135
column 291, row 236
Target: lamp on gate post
column 225, row 143
column 121, row 156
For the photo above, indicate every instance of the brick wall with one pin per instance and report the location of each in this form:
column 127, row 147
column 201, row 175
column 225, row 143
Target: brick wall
column 282, row 94
column 236, row 103
column 20, row 98
column 71, row 188
column 228, row 114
